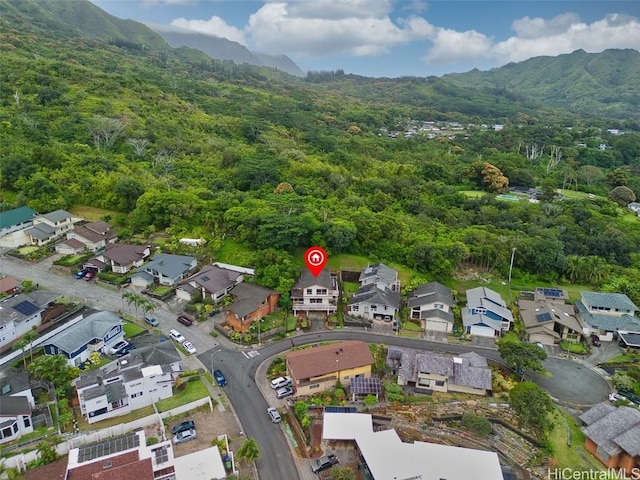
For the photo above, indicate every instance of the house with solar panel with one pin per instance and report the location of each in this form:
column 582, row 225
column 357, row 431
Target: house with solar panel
column 548, row 319
column 97, row 332
column 20, row 313
column 486, row 314
column 141, row 378
column 609, row 315
column 378, row 297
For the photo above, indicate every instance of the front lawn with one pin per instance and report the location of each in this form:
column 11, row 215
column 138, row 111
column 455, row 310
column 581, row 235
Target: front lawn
column 131, row 329
column 578, row 348
column 573, row 456
column 194, row 390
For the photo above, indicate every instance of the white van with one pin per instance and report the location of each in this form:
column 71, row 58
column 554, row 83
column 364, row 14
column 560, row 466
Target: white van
column 176, row 335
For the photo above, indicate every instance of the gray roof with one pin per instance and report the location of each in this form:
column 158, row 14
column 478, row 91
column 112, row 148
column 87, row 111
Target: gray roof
column 214, row 279
column 41, row 231
column 437, row 313
column 490, row 300
column 609, row 323
column 538, row 312
column 307, row 279
column 248, row 297
column 379, row 272
column 14, row 382
column 24, row 305
column 57, row 216
column 374, row 295
column 93, row 327
column 162, row 353
column 170, row 265
column 616, row 431
column 13, row 406
column 597, row 412
column 470, row 319
column 430, row 293
column 123, row 254
column 614, row 301
column 470, row 369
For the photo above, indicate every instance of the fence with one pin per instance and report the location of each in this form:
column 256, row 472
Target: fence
column 22, row 460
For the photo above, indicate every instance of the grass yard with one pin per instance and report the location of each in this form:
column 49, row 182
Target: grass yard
column 161, row 290
column 27, row 249
column 473, row 193
column 194, row 390
column 92, row 214
column 574, row 456
column 631, row 357
column 234, row 253
column 110, row 422
column 131, row 329
column 573, row 347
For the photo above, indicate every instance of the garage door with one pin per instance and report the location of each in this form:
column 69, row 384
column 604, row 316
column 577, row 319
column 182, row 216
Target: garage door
column 482, row 331
column 437, row 326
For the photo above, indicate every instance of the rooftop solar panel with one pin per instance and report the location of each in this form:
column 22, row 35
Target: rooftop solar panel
column 363, row 386
column 26, row 308
column 103, row 448
column 543, row 317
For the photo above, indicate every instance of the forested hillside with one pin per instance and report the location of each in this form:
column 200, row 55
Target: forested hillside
column 180, row 143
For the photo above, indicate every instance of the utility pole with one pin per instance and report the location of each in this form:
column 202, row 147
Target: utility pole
column 513, row 254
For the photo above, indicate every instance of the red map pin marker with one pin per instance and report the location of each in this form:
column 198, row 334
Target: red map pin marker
column 316, row 259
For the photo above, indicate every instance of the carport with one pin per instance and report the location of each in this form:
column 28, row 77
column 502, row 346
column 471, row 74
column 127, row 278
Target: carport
column 629, row 339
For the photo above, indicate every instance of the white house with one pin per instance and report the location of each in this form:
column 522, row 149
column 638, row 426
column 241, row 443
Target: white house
column 13, row 224
column 50, row 226
column 136, row 380
column 608, row 313
column 374, row 303
column 380, row 275
column 211, row 282
column 486, row 314
column 93, row 235
column 166, row 269
column 20, row 313
column 15, row 418
column 432, row 304
column 96, row 333
column 315, row 295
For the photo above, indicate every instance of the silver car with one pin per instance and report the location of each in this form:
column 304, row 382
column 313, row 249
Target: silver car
column 185, row 436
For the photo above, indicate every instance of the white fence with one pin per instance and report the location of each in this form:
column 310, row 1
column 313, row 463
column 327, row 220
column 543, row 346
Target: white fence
column 22, row 460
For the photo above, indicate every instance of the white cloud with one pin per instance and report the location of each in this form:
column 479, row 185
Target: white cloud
column 214, row 26
column 326, row 28
column 535, row 37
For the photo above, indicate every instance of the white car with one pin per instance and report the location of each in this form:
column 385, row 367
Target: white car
column 188, row 346
column 614, row 397
column 274, row 415
column 113, row 350
column 177, row 336
column 280, row 382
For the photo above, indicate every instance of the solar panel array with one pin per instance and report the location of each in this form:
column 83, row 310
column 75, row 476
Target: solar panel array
column 26, row 308
column 543, row 317
column 552, row 292
column 104, row 448
column 364, row 386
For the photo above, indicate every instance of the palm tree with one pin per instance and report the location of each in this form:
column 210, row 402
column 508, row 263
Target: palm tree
column 30, row 337
column 20, row 345
column 249, row 451
column 574, row 267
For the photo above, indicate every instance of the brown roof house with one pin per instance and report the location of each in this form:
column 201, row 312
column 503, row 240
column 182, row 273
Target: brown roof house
column 9, row 285
column 211, row 282
column 93, row 235
column 549, row 320
column 613, row 436
column 120, row 257
column 316, row 369
column 251, row 303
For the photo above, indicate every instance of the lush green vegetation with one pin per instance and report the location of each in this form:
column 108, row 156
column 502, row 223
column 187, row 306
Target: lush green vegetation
column 263, row 165
column 193, row 390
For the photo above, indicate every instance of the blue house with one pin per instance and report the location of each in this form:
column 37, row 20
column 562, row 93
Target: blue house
column 96, row 333
column 486, row 314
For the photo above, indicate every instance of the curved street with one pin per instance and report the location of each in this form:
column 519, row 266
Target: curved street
column 569, row 381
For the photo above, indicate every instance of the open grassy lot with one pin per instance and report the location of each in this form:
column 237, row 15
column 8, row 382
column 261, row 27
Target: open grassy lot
column 571, row 454
column 194, row 390
column 473, row 193
column 92, row 214
column 234, row 253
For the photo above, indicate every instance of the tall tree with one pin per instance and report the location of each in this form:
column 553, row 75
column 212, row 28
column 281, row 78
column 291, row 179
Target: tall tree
column 533, row 406
column 249, row 451
column 522, row 356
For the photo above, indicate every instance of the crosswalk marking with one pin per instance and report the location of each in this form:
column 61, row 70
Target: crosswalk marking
column 251, row 354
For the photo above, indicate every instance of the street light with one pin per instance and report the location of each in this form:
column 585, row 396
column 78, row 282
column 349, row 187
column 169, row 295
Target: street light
column 513, row 254
column 212, row 354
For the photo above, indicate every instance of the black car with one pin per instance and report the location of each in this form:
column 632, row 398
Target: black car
column 182, row 426
column 632, row 397
column 595, row 340
column 126, row 349
column 186, row 321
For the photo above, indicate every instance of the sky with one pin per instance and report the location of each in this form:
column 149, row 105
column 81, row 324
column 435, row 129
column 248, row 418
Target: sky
column 394, row 38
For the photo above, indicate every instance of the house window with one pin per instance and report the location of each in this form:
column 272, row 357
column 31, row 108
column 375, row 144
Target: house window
column 312, row 387
column 439, row 306
column 315, row 300
column 6, row 433
column 439, row 383
column 309, row 291
column 26, row 421
column 355, row 308
column 321, row 291
column 374, row 307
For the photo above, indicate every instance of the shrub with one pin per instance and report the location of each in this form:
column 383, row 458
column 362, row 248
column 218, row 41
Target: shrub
column 477, row 424
column 151, row 441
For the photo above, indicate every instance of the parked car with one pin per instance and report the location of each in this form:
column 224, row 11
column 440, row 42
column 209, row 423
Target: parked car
column 632, row 397
column 274, row 415
column 151, row 320
column 185, row 321
column 280, row 382
column 219, row 376
column 614, row 397
column 126, row 349
column 176, row 335
column 185, row 436
column 595, row 340
column 89, row 275
column 284, row 392
column 182, row 426
column 121, row 344
column 81, row 273
column 323, row 463
column 188, row 346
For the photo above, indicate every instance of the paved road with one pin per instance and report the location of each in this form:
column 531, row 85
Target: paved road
column 569, row 381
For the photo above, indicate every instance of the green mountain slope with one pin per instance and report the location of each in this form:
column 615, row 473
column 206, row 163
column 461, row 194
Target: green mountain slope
column 592, row 84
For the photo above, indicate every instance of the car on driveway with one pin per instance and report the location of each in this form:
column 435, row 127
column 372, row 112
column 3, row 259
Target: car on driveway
column 219, row 376
column 324, row 463
column 188, row 346
column 121, row 344
column 126, row 349
column 89, row 275
column 176, row 335
column 182, row 426
column 595, row 341
column 280, row 382
column 81, row 273
column 151, row 320
column 274, row 415
column 187, row 322
column 185, row 436
column 284, row 392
